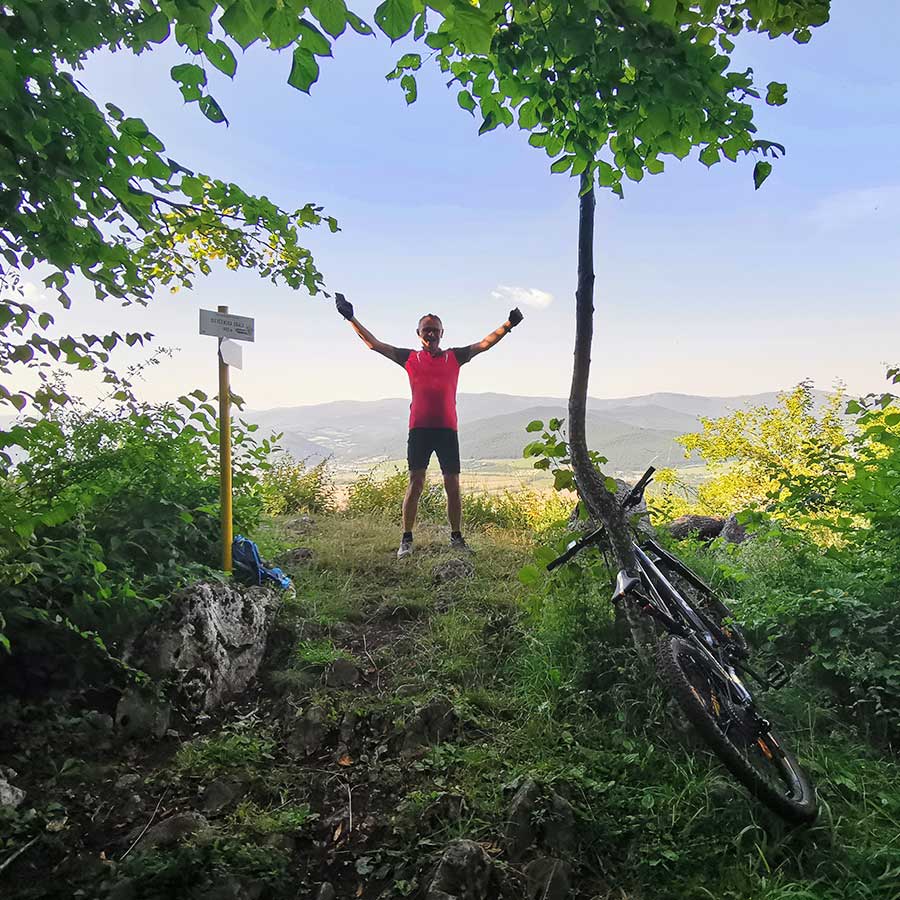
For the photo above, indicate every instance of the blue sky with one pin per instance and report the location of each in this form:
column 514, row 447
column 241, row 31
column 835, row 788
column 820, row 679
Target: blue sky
column 703, row 285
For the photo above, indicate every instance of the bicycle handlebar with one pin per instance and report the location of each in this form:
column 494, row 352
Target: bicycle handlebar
column 635, row 494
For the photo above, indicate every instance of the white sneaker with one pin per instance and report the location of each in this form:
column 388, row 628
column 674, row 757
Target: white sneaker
column 406, row 548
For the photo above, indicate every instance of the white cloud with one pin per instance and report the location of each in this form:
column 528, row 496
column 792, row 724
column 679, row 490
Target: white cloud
column 520, row 295
column 847, row 208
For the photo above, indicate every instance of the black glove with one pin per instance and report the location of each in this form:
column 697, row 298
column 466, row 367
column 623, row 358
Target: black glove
column 515, row 316
column 344, row 307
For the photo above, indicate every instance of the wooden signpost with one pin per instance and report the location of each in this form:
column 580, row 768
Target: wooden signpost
column 227, row 328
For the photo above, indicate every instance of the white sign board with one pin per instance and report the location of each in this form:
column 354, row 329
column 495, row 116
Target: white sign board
column 226, row 325
column 231, row 353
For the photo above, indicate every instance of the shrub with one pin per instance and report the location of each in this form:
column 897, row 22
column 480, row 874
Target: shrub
column 291, row 486
column 384, row 496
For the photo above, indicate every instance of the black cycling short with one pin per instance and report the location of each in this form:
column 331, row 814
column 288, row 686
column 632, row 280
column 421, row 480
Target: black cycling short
column 443, row 441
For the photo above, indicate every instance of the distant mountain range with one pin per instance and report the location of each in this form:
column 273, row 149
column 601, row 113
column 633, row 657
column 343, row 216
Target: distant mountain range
column 632, row 432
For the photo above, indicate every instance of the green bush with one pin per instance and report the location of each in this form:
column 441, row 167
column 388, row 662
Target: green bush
column 383, row 496
column 107, row 511
column 291, row 486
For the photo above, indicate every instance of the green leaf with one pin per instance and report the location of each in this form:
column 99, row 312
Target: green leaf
column 358, row 25
column 395, row 17
column 528, row 116
column 777, row 94
column 304, row 70
column 282, row 26
column 408, row 83
column 529, row 575
column 555, row 424
column 154, row 28
column 313, row 40
column 473, row 28
column 562, row 164
column 466, row 101
column 610, row 484
column 331, row 15
column 663, row 10
column 761, row 172
column 212, row 110
column 489, row 124
column 190, row 78
column 220, row 55
column 535, row 425
column 563, row 480
column 241, row 23
column 710, row 156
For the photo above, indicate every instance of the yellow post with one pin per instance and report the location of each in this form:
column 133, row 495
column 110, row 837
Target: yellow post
column 225, row 457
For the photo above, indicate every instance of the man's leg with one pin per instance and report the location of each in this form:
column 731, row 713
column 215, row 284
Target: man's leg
column 411, row 500
column 454, row 501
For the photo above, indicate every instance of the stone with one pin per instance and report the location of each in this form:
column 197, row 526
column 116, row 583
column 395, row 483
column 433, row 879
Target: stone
column 126, row 889
column 221, row 793
column 308, row 733
column 548, row 879
column 451, row 570
column 431, row 724
column 732, row 531
column 560, row 834
column 520, row 832
column 348, row 727
column 171, row 831
column 326, row 892
column 208, row 644
column 704, row 528
column 341, row 673
column 142, row 715
column 132, row 807
column 299, row 556
column 463, row 873
column 97, row 723
column 128, row 780
column 11, row 797
column 283, row 842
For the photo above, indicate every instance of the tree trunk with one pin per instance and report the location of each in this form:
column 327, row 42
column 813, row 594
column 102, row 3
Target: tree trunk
column 600, row 502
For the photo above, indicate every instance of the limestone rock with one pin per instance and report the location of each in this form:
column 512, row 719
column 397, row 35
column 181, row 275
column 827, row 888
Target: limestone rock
column 172, row 830
column 432, row 724
column 142, row 715
column 10, row 796
column 548, row 879
column 703, row 527
column 326, row 892
column 451, row 570
column 308, row 732
column 341, row 673
column 732, row 531
column 560, row 834
column 520, row 832
column 463, row 873
column 299, row 556
column 209, row 644
column 219, row 794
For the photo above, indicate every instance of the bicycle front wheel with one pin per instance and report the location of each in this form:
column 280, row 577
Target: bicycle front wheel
column 757, row 760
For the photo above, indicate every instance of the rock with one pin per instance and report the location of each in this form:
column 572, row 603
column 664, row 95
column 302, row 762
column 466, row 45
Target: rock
column 126, row 889
column 520, row 831
column 10, row 796
column 308, row 732
column 326, row 892
column 341, row 673
column 141, row 715
column 432, row 724
column 297, row 557
column 548, row 879
column 128, row 780
column 451, row 570
column 96, row 723
column 209, row 643
column 348, row 727
column 283, row 842
column 132, row 807
column 463, row 873
column 559, row 829
column 221, row 793
column 171, row 831
column 703, row 527
column 732, row 531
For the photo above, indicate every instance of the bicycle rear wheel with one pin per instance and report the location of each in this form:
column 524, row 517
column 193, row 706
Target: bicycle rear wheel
column 757, row 760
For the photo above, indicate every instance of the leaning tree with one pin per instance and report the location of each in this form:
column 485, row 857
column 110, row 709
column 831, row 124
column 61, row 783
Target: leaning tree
column 608, row 89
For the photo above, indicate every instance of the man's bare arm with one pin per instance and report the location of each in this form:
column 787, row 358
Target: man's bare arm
column 498, row 334
column 369, row 339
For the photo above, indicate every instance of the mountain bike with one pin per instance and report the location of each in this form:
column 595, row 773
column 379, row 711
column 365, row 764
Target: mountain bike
column 701, row 659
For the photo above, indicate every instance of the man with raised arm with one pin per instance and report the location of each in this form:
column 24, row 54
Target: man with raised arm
column 433, row 375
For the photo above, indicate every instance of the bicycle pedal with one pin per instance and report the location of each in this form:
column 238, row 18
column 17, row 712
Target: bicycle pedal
column 777, row 675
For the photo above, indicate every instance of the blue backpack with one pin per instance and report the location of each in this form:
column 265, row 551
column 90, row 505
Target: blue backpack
column 249, row 567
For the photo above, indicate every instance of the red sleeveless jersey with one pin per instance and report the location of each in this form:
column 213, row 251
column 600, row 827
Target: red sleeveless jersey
column 433, row 381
